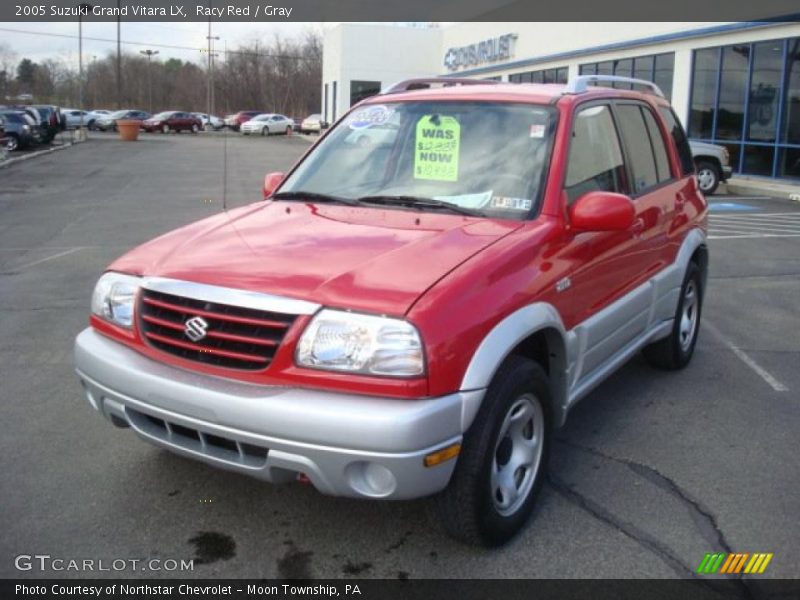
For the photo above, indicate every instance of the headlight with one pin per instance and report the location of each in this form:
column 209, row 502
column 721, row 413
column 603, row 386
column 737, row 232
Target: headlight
column 365, row 344
column 26, row 128
column 113, row 298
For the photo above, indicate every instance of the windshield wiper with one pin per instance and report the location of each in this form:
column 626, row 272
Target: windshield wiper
column 314, row 197
column 419, row 202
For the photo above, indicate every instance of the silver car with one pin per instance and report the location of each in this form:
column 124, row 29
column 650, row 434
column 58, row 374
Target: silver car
column 268, row 124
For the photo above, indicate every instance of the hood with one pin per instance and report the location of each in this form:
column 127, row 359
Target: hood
column 369, row 259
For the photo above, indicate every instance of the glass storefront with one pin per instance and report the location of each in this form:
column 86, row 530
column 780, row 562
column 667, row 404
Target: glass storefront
column 658, row 68
column 556, row 75
column 746, row 97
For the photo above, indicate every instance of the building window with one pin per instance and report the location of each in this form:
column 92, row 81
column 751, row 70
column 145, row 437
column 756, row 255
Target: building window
column 746, row 97
column 658, row 68
column 556, row 75
column 363, row 89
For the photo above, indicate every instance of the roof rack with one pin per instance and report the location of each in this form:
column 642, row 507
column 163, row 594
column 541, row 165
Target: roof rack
column 424, row 83
column 580, row 84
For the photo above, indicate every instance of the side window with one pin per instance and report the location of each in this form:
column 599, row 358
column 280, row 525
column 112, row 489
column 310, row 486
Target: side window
column 637, row 143
column 679, row 137
column 595, row 158
column 659, row 148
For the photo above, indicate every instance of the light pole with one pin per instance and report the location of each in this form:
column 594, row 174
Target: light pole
column 149, row 54
column 210, row 98
column 83, row 9
column 119, row 58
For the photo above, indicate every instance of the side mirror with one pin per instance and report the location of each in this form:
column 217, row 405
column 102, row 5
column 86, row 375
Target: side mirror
column 271, row 182
column 602, row 211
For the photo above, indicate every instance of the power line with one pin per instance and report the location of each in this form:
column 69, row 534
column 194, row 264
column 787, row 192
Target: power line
column 168, row 46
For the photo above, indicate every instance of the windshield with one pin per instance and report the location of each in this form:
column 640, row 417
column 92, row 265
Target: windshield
column 262, row 118
column 162, row 115
column 119, row 114
column 490, row 157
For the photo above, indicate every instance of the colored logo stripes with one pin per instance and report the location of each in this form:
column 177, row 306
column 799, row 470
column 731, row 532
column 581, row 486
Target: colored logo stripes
column 744, row 562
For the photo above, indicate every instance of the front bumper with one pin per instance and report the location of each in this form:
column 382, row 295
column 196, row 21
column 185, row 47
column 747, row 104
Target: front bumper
column 727, row 172
column 347, row 445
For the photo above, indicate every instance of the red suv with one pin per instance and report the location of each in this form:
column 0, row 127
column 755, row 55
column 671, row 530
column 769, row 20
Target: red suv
column 173, row 120
column 415, row 314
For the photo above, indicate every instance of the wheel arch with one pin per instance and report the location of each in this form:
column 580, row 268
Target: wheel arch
column 534, row 331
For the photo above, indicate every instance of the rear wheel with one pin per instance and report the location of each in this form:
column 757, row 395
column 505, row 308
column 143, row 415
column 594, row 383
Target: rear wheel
column 708, row 176
column 503, row 459
column 265, row 130
column 13, row 142
column 675, row 352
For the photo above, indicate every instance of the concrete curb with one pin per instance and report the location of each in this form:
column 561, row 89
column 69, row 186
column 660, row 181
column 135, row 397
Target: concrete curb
column 759, row 187
column 19, row 159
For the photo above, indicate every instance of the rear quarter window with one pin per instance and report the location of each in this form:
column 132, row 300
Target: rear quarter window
column 679, row 138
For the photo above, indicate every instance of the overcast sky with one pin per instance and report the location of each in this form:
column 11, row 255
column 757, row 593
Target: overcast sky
column 191, row 35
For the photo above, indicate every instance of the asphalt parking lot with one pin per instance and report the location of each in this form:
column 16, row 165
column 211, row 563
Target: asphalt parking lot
column 652, row 470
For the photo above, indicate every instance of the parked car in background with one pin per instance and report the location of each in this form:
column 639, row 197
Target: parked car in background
column 20, row 130
column 229, row 120
column 241, row 117
column 109, row 122
column 212, row 122
column 712, row 165
column 268, row 124
column 51, row 121
column 72, row 117
column 173, row 120
column 376, row 135
column 311, row 124
column 94, row 115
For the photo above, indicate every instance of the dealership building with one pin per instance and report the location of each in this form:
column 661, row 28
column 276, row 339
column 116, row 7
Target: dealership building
column 733, row 84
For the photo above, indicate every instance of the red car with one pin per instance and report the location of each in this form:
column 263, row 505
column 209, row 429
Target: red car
column 415, row 316
column 172, row 120
column 242, row 117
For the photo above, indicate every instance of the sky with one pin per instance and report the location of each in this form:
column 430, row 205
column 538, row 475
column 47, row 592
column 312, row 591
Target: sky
column 192, row 35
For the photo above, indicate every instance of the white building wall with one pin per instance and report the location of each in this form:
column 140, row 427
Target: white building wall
column 385, row 53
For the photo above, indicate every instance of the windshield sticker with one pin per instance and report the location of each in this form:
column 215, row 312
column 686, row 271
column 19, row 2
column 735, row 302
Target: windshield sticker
column 537, row 131
column 508, row 203
column 436, row 148
column 369, row 116
column 476, row 201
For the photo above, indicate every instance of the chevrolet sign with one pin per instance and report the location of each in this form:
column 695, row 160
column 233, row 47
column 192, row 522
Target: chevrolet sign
column 487, row 51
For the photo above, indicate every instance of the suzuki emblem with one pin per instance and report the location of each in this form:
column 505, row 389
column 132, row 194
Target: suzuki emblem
column 196, row 328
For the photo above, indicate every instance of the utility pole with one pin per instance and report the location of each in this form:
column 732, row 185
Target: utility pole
column 210, row 93
column 119, row 58
column 82, row 9
column 149, row 54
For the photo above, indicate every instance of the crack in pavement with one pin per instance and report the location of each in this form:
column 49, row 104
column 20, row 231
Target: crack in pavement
column 700, row 514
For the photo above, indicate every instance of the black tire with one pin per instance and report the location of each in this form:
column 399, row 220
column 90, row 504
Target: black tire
column 13, row 142
column 265, row 130
column 467, row 508
column 91, row 125
column 675, row 351
column 708, row 176
column 165, row 128
column 195, row 128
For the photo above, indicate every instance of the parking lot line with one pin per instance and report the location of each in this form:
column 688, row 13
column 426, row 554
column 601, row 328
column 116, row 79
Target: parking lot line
column 746, row 359
column 48, row 258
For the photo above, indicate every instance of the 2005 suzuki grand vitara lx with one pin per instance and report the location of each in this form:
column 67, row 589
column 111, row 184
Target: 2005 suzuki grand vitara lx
column 419, row 302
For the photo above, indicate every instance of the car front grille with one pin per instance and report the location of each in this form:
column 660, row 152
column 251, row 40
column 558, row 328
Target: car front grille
column 234, row 337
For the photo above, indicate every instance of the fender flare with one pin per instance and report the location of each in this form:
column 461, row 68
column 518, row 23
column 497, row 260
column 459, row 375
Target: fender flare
column 501, row 341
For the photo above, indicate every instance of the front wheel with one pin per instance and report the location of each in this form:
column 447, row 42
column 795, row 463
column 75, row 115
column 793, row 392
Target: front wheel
column 265, row 131
column 503, row 459
column 675, row 352
column 165, row 128
column 195, row 128
column 12, row 143
column 289, row 130
column 708, row 177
